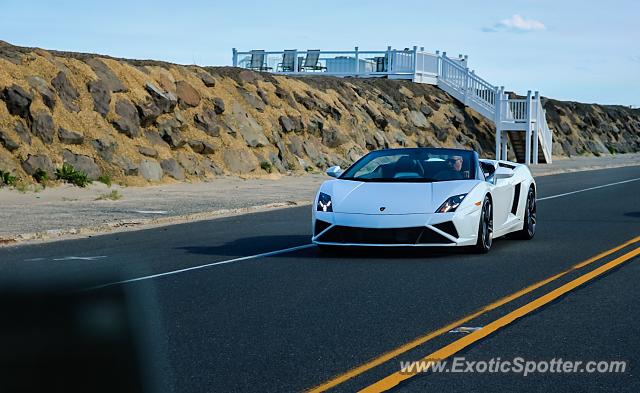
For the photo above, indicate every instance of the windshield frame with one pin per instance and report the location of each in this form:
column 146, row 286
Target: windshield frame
column 473, row 166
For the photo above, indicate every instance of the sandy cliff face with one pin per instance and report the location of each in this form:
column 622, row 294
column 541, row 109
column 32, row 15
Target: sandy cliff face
column 146, row 121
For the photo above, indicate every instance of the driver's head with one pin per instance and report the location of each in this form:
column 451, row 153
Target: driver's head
column 455, row 163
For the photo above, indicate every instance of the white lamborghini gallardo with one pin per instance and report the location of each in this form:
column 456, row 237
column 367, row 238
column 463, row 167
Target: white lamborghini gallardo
column 424, row 197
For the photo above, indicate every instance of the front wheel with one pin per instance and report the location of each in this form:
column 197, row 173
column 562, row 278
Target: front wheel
column 485, row 228
column 529, row 230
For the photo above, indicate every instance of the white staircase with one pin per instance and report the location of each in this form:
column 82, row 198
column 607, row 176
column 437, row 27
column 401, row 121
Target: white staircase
column 524, row 119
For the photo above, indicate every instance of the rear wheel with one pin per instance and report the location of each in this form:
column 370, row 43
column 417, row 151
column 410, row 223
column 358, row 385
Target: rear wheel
column 485, row 228
column 529, row 229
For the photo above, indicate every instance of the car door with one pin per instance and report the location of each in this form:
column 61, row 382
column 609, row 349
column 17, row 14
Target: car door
column 502, row 195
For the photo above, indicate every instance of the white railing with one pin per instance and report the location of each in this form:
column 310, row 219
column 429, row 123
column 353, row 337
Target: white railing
column 543, row 132
column 450, row 74
column 413, row 64
column 456, row 79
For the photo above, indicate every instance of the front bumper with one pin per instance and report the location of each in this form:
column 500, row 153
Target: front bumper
column 459, row 228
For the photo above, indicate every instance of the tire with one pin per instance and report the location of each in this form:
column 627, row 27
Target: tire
column 485, row 228
column 528, row 231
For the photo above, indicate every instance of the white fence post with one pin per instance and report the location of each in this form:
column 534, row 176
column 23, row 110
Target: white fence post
column 415, row 62
column 527, row 141
column 537, row 128
column 388, row 65
column 295, row 60
column 466, row 85
column 234, row 57
column 357, row 57
column 497, row 123
column 504, row 108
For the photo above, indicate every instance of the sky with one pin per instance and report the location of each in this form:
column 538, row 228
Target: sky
column 587, row 51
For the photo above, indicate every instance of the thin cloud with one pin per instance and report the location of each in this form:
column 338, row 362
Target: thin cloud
column 516, row 23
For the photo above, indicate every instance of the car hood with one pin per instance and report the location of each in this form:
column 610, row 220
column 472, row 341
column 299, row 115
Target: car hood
column 396, row 198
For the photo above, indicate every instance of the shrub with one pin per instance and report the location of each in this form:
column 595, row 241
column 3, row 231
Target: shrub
column 266, row 165
column 7, row 178
column 40, row 176
column 68, row 174
column 105, row 179
column 114, row 195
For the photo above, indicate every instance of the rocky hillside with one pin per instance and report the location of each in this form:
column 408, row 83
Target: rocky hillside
column 147, row 121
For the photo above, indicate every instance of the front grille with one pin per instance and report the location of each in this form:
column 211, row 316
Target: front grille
column 355, row 235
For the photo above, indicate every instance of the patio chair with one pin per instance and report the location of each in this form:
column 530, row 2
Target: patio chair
column 288, row 61
column 382, row 63
column 257, row 61
column 312, row 61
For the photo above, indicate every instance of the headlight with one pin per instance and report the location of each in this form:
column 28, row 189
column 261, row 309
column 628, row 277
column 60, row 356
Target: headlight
column 451, row 204
column 324, row 203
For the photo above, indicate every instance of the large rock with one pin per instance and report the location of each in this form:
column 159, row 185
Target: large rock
column 23, row 132
column 42, row 126
column 148, row 151
column 165, row 101
column 70, row 137
column 286, row 123
column 252, row 100
column 128, row 123
column 172, row 168
column 105, row 146
column 35, row 162
column 42, row 87
column 239, row 161
column 170, row 133
column 101, row 96
column 206, row 78
column 207, row 121
column 190, row 164
column 201, row 147
column 187, row 95
column 148, row 112
column 104, row 73
column 8, row 142
column 66, row 91
column 333, row 138
column 150, row 170
column 418, row 119
column 18, row 101
column 218, row 105
column 82, row 163
column 251, row 131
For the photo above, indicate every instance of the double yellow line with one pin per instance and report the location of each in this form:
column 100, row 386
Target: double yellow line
column 395, row 378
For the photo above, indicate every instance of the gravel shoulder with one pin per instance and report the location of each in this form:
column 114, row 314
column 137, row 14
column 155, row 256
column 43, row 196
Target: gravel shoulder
column 70, row 212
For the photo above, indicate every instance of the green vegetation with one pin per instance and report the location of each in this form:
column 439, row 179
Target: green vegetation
column 7, row 178
column 40, row 176
column 266, row 165
column 114, row 195
column 68, row 174
column 291, row 166
column 105, row 179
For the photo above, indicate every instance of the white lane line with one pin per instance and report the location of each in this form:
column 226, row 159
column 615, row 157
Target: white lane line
column 266, row 254
column 587, row 189
column 286, row 250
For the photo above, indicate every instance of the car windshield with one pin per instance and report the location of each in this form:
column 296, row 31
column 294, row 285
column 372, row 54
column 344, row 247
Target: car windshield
column 413, row 166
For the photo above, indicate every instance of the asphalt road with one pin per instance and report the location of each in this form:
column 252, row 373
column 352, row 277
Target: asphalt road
column 292, row 321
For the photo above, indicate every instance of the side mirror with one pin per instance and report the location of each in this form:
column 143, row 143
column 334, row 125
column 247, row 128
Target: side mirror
column 334, row 171
column 503, row 173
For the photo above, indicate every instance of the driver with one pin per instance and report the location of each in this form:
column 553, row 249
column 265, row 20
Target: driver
column 453, row 170
column 455, row 163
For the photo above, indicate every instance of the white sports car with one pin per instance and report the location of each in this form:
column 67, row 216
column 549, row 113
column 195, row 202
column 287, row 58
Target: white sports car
column 424, row 197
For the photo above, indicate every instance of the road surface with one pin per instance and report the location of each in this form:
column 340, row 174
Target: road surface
column 246, row 304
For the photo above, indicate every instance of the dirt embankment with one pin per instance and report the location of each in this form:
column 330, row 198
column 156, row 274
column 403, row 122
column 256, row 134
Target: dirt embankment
column 140, row 122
